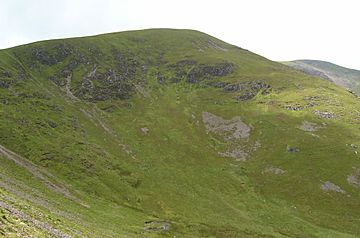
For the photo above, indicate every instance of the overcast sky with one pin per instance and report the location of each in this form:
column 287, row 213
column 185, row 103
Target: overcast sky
column 277, row 29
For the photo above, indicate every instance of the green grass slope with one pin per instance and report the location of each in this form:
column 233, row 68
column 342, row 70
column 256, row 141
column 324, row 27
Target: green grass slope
column 348, row 78
column 172, row 133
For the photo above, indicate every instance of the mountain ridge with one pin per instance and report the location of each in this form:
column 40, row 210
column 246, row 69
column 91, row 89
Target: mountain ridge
column 342, row 76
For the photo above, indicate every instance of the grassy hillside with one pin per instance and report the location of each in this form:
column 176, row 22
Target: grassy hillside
column 172, row 133
column 348, row 78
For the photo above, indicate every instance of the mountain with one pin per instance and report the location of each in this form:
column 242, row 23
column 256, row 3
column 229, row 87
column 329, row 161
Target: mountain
column 172, row 133
column 348, row 78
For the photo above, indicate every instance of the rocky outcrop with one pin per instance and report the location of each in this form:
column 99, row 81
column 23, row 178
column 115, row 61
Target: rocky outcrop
column 144, row 130
column 354, row 178
column 102, row 83
column 245, row 90
column 195, row 73
column 9, row 77
column 310, row 126
column 179, row 70
column 229, row 129
column 157, row 226
column 239, row 154
column 204, row 74
column 326, row 115
column 50, row 56
column 112, row 84
column 273, row 170
column 248, row 90
column 160, row 78
column 249, row 85
column 112, row 81
column 207, row 72
column 294, row 107
column 6, row 79
column 291, row 149
column 235, row 134
column 245, row 96
column 330, row 187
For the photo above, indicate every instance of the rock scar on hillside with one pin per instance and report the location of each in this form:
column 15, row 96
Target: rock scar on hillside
column 354, row 178
column 157, row 226
column 238, row 153
column 273, row 170
column 324, row 114
column 230, row 129
column 310, row 126
column 67, row 89
column 331, row 187
column 234, row 132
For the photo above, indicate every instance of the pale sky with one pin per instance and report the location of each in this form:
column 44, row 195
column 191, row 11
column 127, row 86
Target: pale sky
column 277, row 29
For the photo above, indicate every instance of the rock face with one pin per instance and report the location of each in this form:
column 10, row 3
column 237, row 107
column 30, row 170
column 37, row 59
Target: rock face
column 9, row 77
column 206, row 72
column 50, row 57
column 103, row 82
column 330, row 187
column 194, row 73
column 249, row 85
column 111, row 83
column 93, row 81
column 245, row 90
column 230, row 129
column 100, row 82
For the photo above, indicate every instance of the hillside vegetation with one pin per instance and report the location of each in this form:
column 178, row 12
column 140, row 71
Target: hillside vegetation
column 172, row 133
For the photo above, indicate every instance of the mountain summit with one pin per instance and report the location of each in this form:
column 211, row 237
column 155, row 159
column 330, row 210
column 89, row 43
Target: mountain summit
column 172, row 133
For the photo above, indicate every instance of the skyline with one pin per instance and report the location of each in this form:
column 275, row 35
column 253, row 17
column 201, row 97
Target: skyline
column 278, row 30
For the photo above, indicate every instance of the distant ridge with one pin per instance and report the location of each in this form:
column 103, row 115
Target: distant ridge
column 345, row 77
